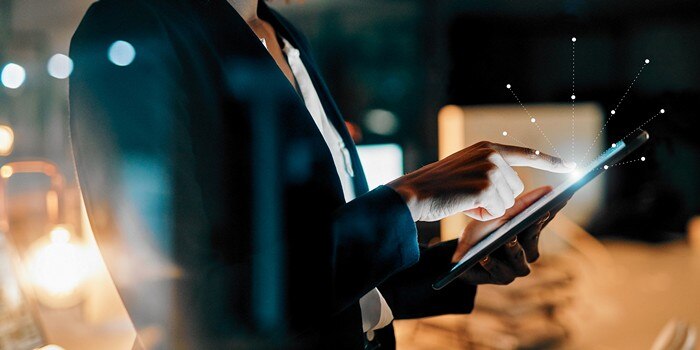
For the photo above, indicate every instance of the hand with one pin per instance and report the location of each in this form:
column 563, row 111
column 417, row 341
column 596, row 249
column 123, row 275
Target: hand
column 477, row 180
column 511, row 260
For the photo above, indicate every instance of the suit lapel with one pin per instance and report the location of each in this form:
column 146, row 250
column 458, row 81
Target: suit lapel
column 234, row 39
column 329, row 106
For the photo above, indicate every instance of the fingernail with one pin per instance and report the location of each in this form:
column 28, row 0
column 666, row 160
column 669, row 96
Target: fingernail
column 570, row 164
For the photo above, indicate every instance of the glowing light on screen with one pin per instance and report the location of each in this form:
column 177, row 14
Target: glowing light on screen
column 60, row 66
column 13, row 75
column 382, row 163
column 576, row 174
column 121, row 53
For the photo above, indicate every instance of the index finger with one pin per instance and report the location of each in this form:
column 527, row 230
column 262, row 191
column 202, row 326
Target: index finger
column 521, row 156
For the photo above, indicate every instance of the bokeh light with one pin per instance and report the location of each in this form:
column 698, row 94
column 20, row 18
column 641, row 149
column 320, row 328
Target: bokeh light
column 121, row 53
column 13, row 75
column 7, row 140
column 57, row 268
column 382, row 122
column 60, row 66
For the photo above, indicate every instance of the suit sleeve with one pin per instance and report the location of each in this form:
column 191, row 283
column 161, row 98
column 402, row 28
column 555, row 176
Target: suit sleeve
column 409, row 293
column 374, row 237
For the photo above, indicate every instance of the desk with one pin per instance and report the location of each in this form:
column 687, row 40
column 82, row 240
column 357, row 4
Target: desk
column 625, row 307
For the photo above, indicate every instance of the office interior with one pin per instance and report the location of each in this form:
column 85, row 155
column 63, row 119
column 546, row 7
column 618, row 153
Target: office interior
column 416, row 80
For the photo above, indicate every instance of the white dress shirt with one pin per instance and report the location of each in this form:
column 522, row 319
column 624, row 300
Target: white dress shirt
column 376, row 313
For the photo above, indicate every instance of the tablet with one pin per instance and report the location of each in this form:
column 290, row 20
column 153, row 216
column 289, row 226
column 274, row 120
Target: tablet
column 529, row 216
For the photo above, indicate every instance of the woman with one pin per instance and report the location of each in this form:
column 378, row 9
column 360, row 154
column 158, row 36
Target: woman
column 217, row 148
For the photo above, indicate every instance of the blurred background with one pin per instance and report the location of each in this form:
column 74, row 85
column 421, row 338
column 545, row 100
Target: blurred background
column 416, row 80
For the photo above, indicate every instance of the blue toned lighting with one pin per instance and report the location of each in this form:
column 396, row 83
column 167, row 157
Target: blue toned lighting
column 121, row 53
column 13, row 76
column 60, row 66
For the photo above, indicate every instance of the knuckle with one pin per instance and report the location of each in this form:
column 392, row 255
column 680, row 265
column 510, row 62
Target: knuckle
column 484, row 144
column 492, row 156
column 555, row 160
column 492, row 172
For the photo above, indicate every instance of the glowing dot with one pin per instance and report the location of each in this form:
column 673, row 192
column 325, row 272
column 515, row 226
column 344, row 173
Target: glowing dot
column 505, row 133
column 13, row 75
column 573, row 39
column 507, row 86
column 614, row 145
column 647, row 61
column 605, row 167
column 573, row 97
column 612, row 112
column 643, row 159
column 60, row 66
column 121, row 53
column 537, row 153
column 532, row 120
column 663, row 111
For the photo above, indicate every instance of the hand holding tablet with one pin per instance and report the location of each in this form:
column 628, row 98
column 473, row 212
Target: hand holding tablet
column 535, row 211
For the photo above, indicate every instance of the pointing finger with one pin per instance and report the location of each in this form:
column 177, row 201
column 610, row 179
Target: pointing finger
column 521, row 156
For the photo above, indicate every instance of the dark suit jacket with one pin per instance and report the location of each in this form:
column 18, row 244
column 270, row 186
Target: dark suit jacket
column 188, row 109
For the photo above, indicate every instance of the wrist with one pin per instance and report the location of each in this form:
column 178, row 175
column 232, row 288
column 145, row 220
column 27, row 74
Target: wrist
column 409, row 197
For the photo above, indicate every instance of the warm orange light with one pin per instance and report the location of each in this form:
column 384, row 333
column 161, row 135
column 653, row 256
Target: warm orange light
column 57, row 268
column 6, row 171
column 7, row 140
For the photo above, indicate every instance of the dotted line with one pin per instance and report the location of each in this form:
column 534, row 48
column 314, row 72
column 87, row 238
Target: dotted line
column 612, row 113
column 642, row 159
column 518, row 141
column 573, row 101
column 531, row 117
column 645, row 123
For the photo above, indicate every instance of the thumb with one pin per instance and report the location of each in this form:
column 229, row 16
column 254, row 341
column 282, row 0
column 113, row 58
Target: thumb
column 477, row 230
